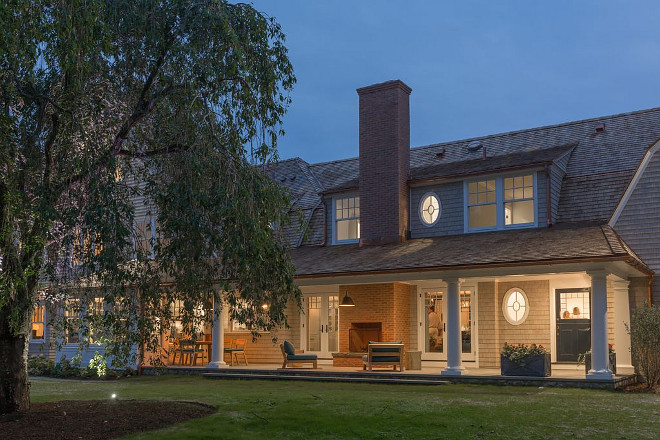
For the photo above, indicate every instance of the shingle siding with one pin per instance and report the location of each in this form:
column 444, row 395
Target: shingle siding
column 639, row 223
column 451, row 218
column 556, row 178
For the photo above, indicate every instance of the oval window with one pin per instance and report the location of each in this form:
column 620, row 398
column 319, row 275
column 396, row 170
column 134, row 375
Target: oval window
column 430, row 209
column 515, row 306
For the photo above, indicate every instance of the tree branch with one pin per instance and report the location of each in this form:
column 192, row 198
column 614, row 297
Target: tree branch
column 144, row 106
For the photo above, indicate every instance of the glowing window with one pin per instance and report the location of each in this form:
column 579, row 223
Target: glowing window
column 430, row 209
column 515, row 306
column 347, row 219
column 38, row 323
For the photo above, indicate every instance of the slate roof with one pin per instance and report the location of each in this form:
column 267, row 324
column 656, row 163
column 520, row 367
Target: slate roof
column 599, row 166
column 570, row 243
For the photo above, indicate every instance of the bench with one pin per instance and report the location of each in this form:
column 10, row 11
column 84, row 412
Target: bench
column 383, row 353
column 293, row 356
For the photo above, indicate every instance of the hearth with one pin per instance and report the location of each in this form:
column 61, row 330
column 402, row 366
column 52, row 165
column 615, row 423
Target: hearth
column 361, row 333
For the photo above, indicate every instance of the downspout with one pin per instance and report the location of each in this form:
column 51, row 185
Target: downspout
column 650, row 293
column 548, row 197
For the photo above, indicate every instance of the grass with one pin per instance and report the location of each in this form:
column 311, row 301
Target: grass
column 304, row 410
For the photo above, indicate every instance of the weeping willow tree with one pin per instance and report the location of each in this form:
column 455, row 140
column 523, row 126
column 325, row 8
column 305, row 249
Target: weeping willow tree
column 119, row 110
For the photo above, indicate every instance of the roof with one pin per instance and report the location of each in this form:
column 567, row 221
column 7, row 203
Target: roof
column 531, row 157
column 570, row 243
column 599, row 167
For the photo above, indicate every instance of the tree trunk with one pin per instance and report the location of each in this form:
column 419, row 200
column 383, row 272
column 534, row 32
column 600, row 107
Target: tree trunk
column 14, row 385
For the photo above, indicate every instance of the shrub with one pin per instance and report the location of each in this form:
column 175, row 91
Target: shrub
column 518, row 352
column 40, row 366
column 99, row 364
column 645, row 343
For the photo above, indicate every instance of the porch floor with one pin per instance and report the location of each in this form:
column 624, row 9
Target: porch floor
column 563, row 375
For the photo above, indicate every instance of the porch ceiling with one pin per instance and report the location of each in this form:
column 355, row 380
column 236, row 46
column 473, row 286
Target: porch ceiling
column 556, row 249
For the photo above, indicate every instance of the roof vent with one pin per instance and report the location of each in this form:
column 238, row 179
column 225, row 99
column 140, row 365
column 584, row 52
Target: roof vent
column 440, row 153
column 600, row 127
column 475, row 145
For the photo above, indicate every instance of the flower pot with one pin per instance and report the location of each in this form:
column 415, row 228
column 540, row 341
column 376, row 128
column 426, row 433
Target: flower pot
column 537, row 365
column 587, row 363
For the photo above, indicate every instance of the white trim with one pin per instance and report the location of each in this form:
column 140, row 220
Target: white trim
column 419, row 209
column 633, row 183
column 505, row 310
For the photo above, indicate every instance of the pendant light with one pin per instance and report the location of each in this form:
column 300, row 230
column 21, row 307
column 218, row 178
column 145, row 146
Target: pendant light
column 347, row 301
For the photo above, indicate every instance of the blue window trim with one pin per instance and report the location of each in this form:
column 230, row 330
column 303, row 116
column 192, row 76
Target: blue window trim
column 499, row 203
column 334, row 220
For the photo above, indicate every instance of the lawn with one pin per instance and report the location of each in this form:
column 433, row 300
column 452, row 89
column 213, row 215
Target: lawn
column 305, row 410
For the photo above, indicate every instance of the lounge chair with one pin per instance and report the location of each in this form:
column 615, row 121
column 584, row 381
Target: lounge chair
column 291, row 356
column 383, row 353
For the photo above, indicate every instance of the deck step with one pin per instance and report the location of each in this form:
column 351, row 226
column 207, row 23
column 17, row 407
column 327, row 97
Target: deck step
column 325, row 378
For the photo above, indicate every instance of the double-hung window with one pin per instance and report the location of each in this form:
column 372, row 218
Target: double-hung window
column 519, row 200
column 482, row 204
column 38, row 322
column 347, row 219
column 500, row 203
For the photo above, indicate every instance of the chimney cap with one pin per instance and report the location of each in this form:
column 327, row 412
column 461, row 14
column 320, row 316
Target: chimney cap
column 392, row 84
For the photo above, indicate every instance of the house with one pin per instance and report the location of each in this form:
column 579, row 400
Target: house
column 548, row 235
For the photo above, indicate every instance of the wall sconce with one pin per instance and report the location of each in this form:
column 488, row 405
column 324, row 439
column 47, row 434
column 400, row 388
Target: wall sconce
column 347, row 301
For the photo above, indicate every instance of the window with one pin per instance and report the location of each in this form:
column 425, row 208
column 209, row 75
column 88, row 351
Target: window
column 515, row 306
column 347, row 219
column 430, row 209
column 501, row 203
column 574, row 304
column 72, row 315
column 518, row 200
column 38, row 323
column 84, row 244
column 482, row 209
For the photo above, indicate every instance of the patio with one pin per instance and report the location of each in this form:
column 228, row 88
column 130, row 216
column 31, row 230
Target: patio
column 563, row 375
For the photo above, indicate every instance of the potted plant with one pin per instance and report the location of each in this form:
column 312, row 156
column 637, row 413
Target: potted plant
column 585, row 358
column 525, row 360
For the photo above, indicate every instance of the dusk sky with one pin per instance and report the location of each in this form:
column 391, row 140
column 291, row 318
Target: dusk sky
column 475, row 67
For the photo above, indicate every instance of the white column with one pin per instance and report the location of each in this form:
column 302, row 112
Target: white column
column 621, row 319
column 599, row 351
column 454, row 366
column 218, row 344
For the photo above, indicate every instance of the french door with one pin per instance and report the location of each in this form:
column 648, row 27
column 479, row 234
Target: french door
column 433, row 323
column 320, row 323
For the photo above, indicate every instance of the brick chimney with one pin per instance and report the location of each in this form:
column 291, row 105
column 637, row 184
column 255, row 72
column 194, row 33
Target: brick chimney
column 384, row 162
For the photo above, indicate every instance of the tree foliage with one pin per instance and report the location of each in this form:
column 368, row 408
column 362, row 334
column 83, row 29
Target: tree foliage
column 117, row 111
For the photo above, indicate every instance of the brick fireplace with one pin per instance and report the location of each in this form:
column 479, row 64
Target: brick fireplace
column 386, row 304
column 361, row 333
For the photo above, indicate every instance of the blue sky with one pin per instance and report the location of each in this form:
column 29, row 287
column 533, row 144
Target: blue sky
column 475, row 67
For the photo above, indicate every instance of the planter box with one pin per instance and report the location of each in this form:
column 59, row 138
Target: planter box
column 587, row 363
column 537, row 365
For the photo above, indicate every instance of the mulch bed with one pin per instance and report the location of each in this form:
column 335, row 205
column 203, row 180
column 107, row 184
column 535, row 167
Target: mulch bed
column 97, row 419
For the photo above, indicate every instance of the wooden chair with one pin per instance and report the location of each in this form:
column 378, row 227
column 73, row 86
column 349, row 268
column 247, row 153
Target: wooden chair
column 190, row 350
column 174, row 350
column 229, row 349
column 239, row 347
